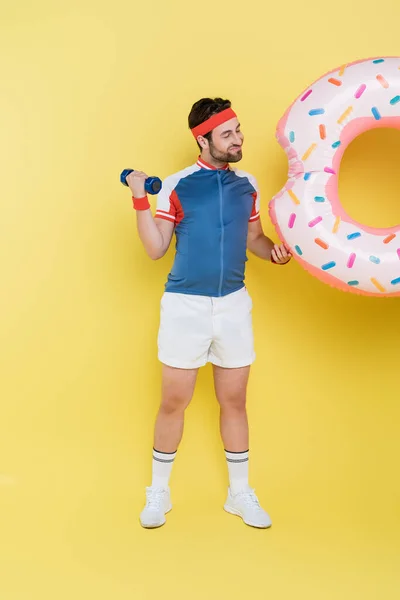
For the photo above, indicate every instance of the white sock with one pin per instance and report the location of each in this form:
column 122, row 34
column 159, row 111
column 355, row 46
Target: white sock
column 162, row 467
column 238, row 468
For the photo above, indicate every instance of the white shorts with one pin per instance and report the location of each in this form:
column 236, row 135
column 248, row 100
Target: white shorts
column 195, row 330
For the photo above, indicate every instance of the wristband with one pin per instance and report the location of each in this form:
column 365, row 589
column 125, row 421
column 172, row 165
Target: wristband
column 141, row 203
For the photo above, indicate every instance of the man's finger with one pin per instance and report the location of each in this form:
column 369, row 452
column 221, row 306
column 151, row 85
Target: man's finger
column 284, row 251
column 278, row 252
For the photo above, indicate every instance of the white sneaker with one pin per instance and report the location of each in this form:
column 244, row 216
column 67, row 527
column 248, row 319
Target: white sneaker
column 246, row 505
column 158, row 504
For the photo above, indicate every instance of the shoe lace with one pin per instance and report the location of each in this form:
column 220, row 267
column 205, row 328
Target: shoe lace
column 155, row 499
column 250, row 499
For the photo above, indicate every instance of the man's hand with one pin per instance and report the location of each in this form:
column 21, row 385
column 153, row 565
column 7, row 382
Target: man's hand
column 280, row 255
column 136, row 181
column 263, row 247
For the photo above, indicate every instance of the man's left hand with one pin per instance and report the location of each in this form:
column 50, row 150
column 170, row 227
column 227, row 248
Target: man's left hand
column 279, row 255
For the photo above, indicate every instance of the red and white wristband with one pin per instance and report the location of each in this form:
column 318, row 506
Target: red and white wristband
column 141, row 203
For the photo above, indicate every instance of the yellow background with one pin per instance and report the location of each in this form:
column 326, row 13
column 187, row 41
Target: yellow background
column 87, row 89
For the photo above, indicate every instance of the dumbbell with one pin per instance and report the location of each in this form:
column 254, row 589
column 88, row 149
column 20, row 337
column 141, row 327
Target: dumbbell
column 152, row 185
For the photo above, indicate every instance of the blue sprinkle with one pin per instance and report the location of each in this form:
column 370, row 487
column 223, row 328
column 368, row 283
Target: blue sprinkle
column 395, row 100
column 353, row 236
column 336, row 144
column 375, row 259
column 329, row 265
column 316, row 111
column 291, row 137
column 298, row 250
column 319, row 199
column 378, row 60
column 307, row 176
column 355, row 282
column 395, row 281
column 376, row 113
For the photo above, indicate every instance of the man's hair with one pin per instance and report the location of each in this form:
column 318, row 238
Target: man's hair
column 204, row 109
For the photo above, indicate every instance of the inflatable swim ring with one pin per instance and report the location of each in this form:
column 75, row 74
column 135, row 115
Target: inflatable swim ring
column 307, row 214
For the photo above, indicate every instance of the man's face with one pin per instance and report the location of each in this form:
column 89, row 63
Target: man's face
column 226, row 142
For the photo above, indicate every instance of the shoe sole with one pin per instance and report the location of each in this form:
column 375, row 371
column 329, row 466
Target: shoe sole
column 156, row 526
column 233, row 511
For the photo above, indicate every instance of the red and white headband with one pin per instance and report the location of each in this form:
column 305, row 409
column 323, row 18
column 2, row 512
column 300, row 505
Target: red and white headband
column 213, row 122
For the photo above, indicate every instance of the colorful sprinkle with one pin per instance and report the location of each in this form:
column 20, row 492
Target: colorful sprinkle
column 306, row 95
column 321, row 243
column 293, row 197
column 328, row 265
column 389, row 238
column 335, row 81
column 378, row 285
column 298, row 250
column 376, row 113
column 395, row 100
column 342, row 70
column 315, row 222
column 382, row 81
column 291, row 137
column 375, row 259
column 316, row 111
column 355, row 282
column 395, row 281
column 307, row 176
column 345, row 115
column 351, row 260
column 319, row 199
column 336, row 144
column 322, row 132
column 353, row 236
column 398, row 252
column 292, row 219
column 378, row 60
column 309, row 151
column 336, row 225
column 360, row 91
column 329, row 170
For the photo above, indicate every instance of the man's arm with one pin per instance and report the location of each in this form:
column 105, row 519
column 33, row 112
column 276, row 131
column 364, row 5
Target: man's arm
column 263, row 247
column 257, row 242
column 155, row 234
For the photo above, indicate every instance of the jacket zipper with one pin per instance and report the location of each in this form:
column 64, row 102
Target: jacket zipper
column 222, row 232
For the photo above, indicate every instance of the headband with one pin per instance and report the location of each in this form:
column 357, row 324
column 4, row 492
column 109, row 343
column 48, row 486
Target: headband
column 213, row 122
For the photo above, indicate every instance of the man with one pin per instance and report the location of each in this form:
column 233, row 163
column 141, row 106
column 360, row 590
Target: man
column 206, row 310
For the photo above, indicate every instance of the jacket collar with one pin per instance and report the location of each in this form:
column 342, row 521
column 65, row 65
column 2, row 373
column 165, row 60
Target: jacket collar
column 204, row 165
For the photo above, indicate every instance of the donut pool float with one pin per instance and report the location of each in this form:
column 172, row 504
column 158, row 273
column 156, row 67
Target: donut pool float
column 307, row 213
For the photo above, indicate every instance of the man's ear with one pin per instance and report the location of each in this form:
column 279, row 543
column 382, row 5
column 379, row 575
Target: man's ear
column 202, row 141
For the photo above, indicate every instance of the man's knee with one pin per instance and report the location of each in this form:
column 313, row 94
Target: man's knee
column 235, row 402
column 174, row 403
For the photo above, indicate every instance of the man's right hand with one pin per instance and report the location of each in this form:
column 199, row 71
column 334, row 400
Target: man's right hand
column 136, row 181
